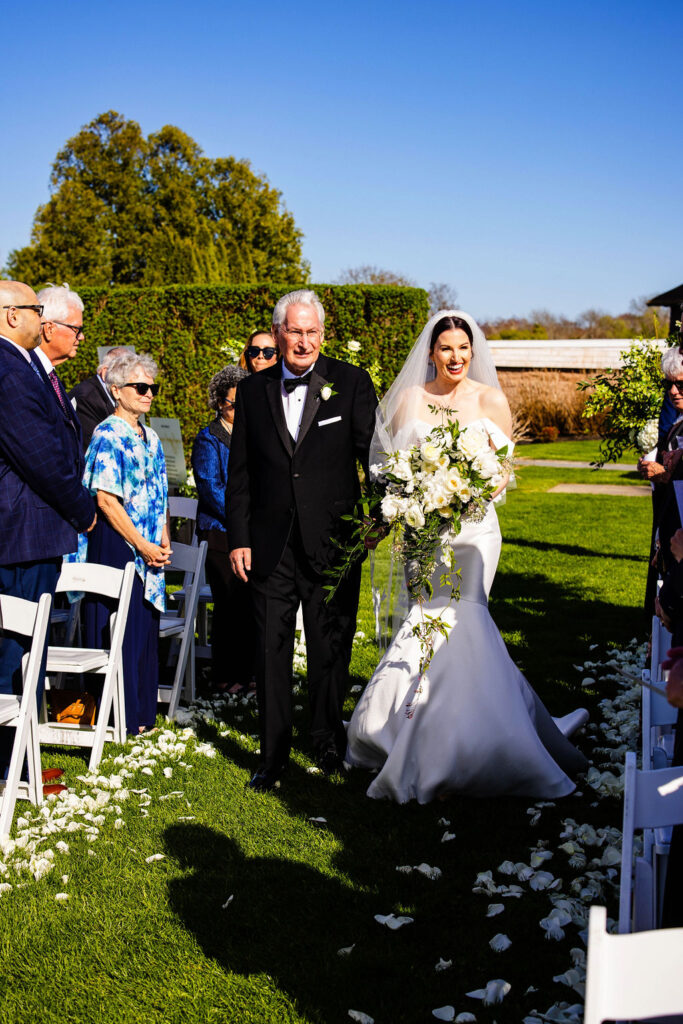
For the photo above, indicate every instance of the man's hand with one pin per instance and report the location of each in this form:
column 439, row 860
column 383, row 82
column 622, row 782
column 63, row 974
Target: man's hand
column 240, row 562
column 374, row 533
column 662, row 616
column 92, row 525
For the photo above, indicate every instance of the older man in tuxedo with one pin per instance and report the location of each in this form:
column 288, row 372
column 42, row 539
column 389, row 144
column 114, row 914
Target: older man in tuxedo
column 300, row 427
column 43, row 504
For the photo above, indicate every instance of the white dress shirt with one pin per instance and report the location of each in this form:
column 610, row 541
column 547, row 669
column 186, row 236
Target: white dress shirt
column 24, row 352
column 47, row 365
column 293, row 405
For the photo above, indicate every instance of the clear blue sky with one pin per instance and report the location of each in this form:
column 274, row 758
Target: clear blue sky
column 527, row 153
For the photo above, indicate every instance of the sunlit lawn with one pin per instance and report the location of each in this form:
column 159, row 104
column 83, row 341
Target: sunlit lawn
column 140, row 942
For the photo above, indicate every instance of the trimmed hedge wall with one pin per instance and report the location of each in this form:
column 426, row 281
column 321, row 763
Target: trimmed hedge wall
column 187, row 328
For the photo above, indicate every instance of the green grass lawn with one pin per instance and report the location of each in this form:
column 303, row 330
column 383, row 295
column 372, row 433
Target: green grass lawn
column 576, row 451
column 151, row 943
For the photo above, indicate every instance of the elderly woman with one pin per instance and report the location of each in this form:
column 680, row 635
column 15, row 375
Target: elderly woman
column 126, row 471
column 259, row 353
column 232, row 633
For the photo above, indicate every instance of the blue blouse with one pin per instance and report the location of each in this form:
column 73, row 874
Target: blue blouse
column 210, row 454
column 122, row 463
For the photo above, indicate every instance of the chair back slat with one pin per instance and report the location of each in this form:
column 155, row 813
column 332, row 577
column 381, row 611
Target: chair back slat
column 90, row 578
column 182, row 508
column 17, row 615
column 183, row 559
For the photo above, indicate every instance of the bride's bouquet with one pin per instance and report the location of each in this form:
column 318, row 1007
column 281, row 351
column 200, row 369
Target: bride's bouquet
column 424, row 493
column 429, row 490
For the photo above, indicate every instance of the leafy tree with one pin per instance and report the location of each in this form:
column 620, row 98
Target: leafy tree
column 126, row 209
column 368, row 274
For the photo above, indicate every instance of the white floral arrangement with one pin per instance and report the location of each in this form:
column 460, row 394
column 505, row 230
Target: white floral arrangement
column 428, row 491
column 648, row 436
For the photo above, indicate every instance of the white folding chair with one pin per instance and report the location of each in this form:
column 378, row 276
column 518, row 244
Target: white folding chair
column 646, row 807
column 26, row 618
column 632, row 977
column 180, row 625
column 658, row 716
column 116, row 584
column 183, row 508
column 186, row 508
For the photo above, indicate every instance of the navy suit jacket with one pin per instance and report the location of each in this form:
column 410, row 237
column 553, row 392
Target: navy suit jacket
column 43, row 504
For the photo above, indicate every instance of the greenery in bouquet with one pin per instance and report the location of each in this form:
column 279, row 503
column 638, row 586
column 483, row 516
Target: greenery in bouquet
column 422, row 495
column 627, row 401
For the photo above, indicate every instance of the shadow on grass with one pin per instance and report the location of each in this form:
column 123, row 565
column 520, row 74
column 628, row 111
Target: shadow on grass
column 572, row 549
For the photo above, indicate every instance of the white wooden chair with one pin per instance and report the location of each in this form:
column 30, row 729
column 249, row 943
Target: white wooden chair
column 646, row 807
column 186, row 508
column 116, row 584
column 179, row 624
column 658, row 716
column 632, row 977
column 26, row 618
column 183, row 508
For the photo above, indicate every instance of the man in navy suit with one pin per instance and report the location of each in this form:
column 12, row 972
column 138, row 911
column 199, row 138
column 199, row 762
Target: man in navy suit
column 43, row 504
column 61, row 331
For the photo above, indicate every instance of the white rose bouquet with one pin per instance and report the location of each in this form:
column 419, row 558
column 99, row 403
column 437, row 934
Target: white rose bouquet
column 647, row 437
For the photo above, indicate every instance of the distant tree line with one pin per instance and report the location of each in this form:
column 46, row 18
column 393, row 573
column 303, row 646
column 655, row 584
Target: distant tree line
column 640, row 321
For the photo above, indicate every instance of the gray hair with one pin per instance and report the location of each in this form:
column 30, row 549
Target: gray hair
column 227, row 378
column 110, row 357
column 122, row 366
column 57, row 298
column 672, row 363
column 304, row 297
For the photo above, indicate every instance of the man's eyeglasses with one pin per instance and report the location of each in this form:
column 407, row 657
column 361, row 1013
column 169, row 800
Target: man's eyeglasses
column 229, row 402
column 669, row 385
column 253, row 351
column 34, row 307
column 312, row 336
column 143, row 388
column 76, row 328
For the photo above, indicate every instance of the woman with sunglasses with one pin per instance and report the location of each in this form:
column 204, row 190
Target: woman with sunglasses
column 125, row 470
column 232, row 631
column 259, row 353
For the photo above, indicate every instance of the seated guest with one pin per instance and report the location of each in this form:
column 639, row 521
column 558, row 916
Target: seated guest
column 92, row 399
column 232, row 632
column 126, row 471
column 260, row 352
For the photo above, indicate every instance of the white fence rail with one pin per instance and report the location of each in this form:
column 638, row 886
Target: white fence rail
column 567, row 354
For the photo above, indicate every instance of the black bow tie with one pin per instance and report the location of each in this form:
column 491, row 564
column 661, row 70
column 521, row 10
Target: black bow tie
column 290, row 383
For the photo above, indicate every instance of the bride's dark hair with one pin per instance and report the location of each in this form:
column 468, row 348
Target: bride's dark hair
column 450, row 323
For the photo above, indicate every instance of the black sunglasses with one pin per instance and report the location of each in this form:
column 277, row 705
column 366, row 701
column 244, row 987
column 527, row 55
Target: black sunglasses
column 34, row 307
column 253, row 351
column 669, row 385
column 142, row 388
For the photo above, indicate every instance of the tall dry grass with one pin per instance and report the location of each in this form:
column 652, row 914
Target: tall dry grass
column 547, row 398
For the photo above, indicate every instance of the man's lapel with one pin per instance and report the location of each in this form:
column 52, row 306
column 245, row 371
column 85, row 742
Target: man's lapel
column 273, row 394
column 312, row 403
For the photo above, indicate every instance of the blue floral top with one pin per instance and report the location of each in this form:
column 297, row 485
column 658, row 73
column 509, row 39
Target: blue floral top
column 119, row 462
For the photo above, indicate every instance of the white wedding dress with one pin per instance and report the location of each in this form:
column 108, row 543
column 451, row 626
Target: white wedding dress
column 474, row 726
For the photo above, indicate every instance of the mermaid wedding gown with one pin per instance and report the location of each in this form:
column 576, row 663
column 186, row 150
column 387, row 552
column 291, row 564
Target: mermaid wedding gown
column 475, row 726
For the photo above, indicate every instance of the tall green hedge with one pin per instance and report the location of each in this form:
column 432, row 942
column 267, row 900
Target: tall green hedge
column 186, row 329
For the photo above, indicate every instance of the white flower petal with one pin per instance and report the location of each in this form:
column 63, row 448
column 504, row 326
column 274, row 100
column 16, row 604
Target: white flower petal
column 447, row 837
column 61, row 897
column 155, row 856
column 360, row 1017
column 443, row 965
column 346, row 950
column 499, row 943
column 393, row 922
column 465, row 1018
column 227, row 903
column 444, row 1013
column 432, row 873
column 494, row 909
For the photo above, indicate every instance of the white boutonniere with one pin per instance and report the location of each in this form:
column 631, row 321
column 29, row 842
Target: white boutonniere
column 326, row 392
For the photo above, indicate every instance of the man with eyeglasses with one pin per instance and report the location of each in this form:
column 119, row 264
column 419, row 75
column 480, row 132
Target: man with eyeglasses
column 300, row 427
column 43, row 503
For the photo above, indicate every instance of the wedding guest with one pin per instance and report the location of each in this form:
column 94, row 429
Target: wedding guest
column 259, row 353
column 43, row 504
column 233, row 631
column 126, row 471
column 91, row 399
column 61, row 327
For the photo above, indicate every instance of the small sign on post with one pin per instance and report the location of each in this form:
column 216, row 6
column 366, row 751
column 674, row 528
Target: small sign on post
column 172, row 443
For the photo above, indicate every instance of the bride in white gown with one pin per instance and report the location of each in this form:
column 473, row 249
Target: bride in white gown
column 471, row 724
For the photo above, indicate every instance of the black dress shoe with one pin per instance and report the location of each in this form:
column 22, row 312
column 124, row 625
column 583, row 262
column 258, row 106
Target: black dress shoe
column 263, row 781
column 330, row 762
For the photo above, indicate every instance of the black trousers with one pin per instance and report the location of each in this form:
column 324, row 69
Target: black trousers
column 329, row 629
column 233, row 633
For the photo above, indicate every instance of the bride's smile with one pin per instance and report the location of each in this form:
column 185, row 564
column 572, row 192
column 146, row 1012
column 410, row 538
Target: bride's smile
column 451, row 355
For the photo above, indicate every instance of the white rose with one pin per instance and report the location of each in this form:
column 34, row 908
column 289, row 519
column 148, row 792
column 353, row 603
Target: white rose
column 414, row 516
column 391, row 507
column 402, row 469
column 486, row 465
column 472, row 441
column 446, row 512
column 452, row 481
column 376, row 471
column 443, row 462
column 463, row 491
column 326, row 393
column 430, row 453
column 353, row 346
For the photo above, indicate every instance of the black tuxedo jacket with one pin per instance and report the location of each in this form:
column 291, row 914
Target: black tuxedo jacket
column 92, row 405
column 272, row 480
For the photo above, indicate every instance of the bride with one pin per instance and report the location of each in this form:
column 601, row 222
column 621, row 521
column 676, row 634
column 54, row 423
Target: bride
column 471, row 724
